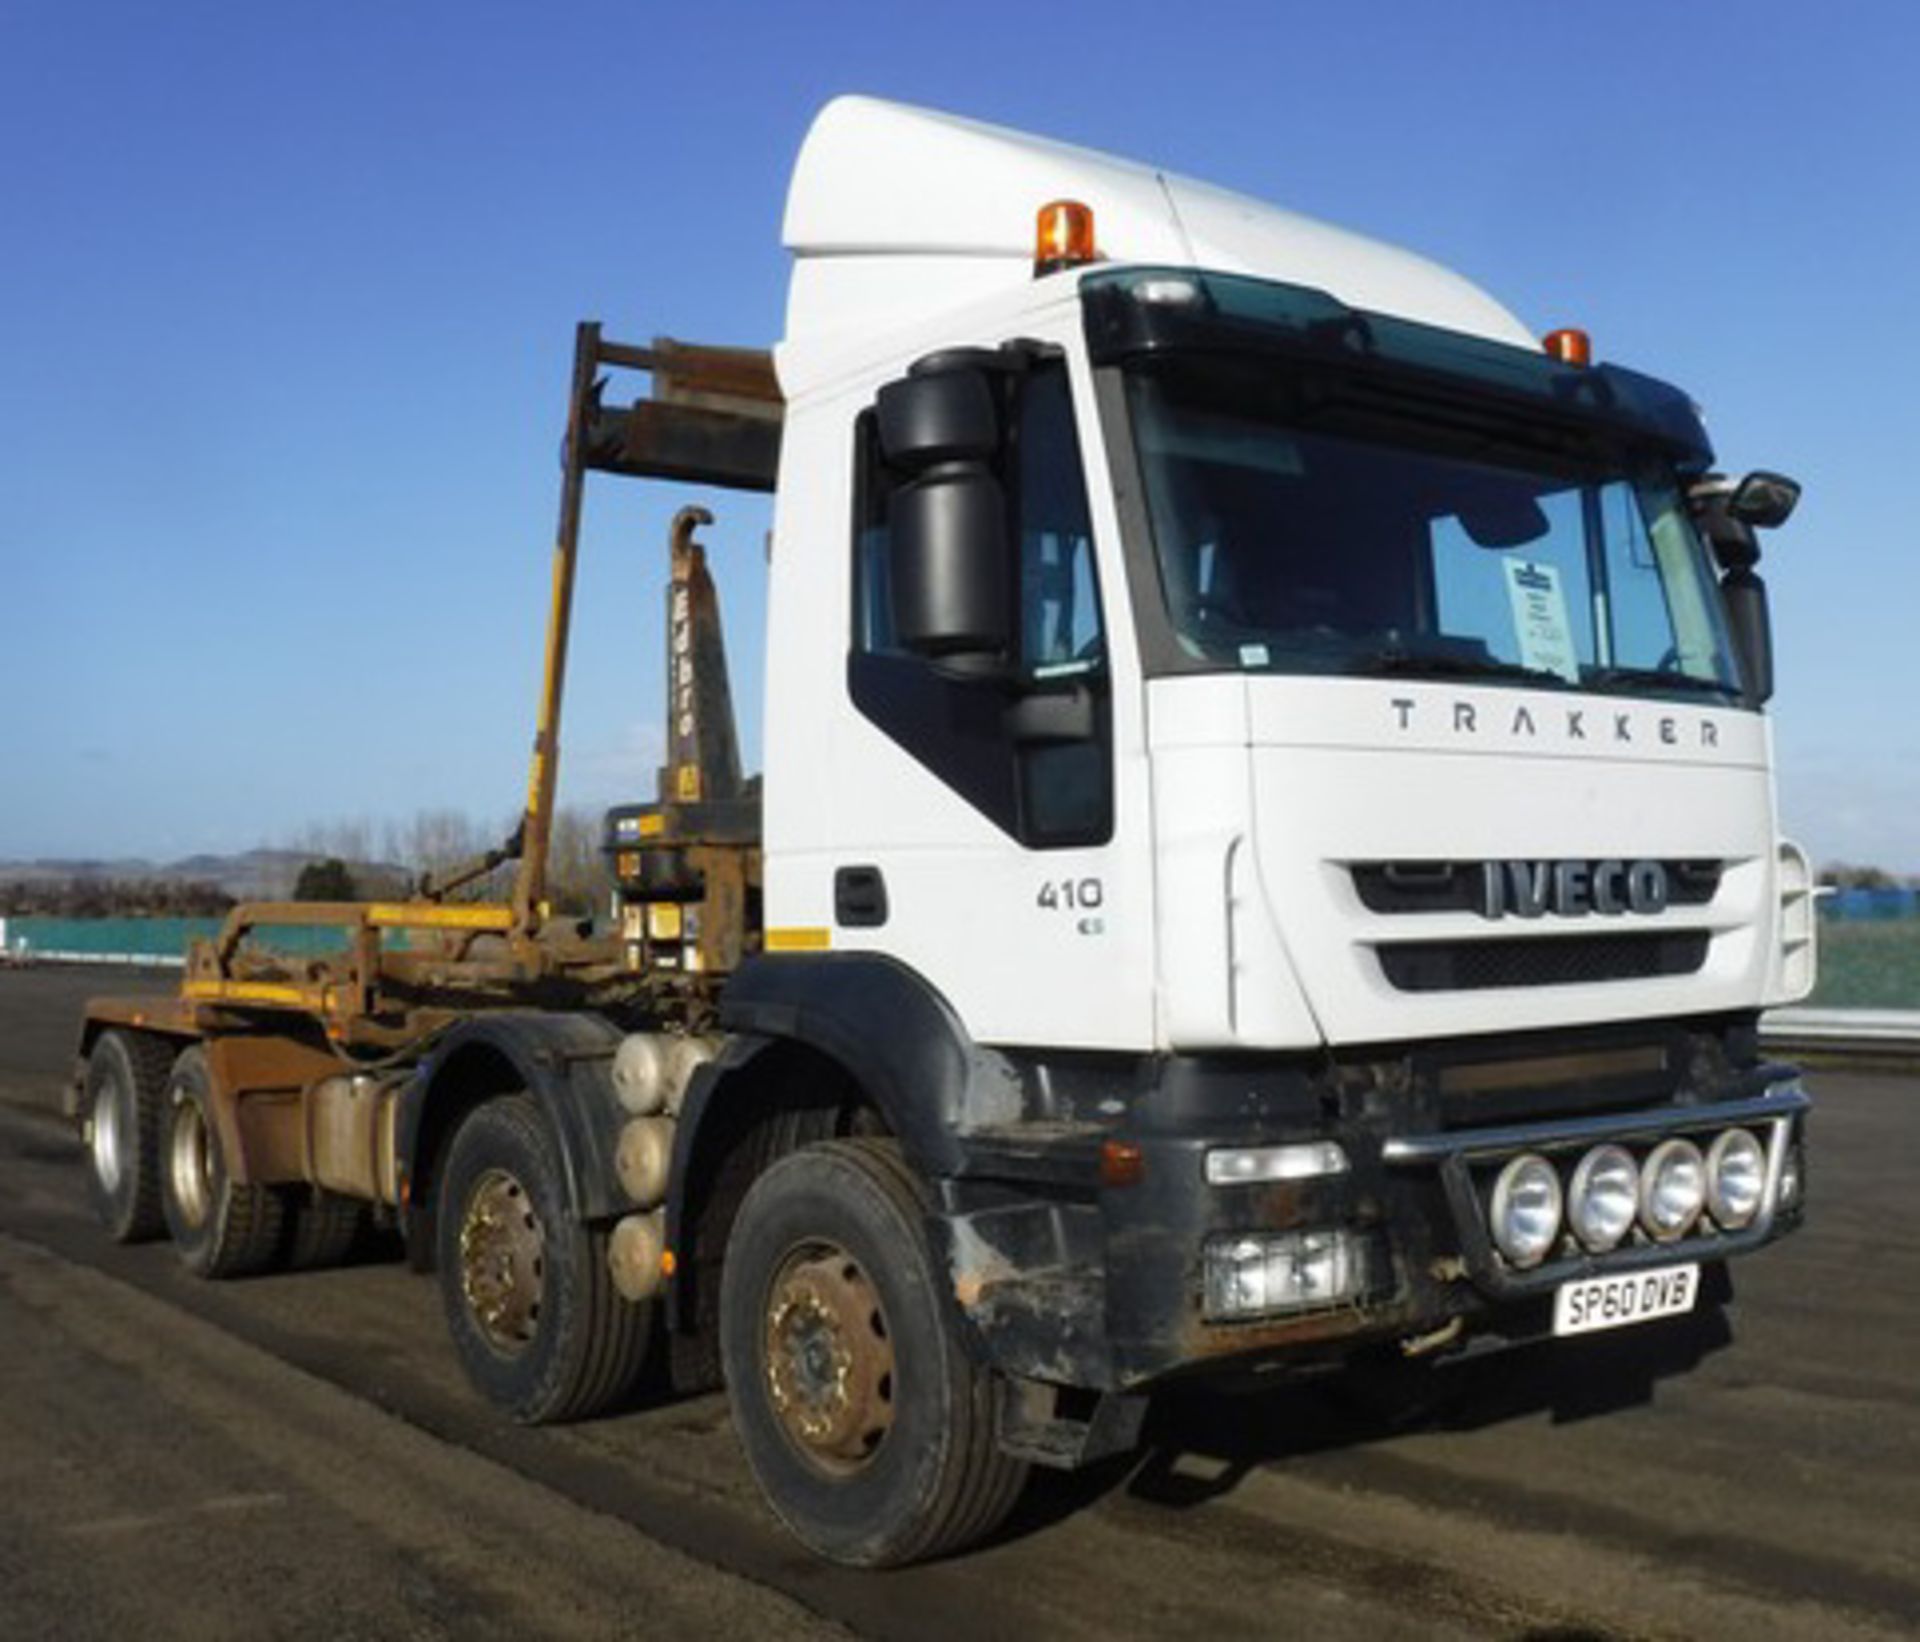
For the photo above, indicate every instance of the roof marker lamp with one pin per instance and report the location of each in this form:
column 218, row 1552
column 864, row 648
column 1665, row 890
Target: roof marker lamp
column 1569, row 346
column 1063, row 237
column 1170, row 290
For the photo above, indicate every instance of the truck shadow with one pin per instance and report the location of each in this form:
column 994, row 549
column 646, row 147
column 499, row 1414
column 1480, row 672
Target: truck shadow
column 1202, row 1440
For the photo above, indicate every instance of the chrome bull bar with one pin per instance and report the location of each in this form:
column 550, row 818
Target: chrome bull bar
column 1455, row 1152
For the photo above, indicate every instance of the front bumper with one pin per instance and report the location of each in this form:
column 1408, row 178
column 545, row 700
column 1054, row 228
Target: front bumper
column 1101, row 1285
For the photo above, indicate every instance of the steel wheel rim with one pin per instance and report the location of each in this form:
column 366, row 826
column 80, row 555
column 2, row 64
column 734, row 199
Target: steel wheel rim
column 105, row 1140
column 503, row 1262
column 829, row 1358
column 190, row 1163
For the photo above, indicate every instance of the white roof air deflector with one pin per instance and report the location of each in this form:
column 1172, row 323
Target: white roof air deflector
column 898, row 213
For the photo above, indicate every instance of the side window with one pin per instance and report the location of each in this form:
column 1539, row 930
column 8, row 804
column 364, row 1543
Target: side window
column 974, row 726
column 1063, row 784
column 873, row 487
column 1059, row 625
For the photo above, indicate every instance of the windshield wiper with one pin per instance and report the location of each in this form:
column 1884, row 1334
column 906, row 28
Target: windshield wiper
column 1658, row 678
column 1443, row 663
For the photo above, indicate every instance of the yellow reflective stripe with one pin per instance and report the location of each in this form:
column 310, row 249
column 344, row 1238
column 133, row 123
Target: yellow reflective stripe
column 432, row 915
column 798, row 940
column 295, row 997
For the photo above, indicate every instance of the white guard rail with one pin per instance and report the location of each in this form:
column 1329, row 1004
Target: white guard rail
column 1843, row 1031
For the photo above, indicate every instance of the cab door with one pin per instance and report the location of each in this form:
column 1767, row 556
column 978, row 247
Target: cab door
column 996, row 837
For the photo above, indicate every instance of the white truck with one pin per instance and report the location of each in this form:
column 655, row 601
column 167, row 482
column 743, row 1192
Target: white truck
column 1267, row 851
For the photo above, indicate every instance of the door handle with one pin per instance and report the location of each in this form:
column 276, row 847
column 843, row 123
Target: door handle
column 859, row 897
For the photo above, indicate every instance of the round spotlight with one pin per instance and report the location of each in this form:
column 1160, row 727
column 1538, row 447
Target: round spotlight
column 1673, row 1189
column 1736, row 1178
column 1526, row 1210
column 1604, row 1197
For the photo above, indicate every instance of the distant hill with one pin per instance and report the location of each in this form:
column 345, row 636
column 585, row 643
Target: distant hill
column 258, row 875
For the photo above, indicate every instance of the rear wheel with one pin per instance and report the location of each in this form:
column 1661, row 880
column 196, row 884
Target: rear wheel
column 221, row 1229
column 321, row 1228
column 871, row 1429
column 124, row 1100
column 528, row 1292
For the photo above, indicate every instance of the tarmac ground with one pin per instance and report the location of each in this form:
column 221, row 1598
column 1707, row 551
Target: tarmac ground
column 298, row 1455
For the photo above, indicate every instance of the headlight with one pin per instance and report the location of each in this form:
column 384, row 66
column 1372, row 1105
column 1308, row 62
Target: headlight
column 1736, row 1178
column 1673, row 1188
column 1604, row 1196
column 1265, row 1272
column 1526, row 1210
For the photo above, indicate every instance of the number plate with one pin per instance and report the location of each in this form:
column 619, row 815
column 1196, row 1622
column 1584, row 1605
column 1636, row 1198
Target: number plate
column 1593, row 1303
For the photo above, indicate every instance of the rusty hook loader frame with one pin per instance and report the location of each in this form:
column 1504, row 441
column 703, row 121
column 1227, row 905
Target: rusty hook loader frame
column 276, row 1102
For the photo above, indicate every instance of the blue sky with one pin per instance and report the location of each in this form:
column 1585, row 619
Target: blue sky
column 287, row 296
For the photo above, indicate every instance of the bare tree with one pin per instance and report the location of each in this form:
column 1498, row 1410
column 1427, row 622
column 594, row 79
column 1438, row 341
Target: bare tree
column 578, row 882
column 435, row 842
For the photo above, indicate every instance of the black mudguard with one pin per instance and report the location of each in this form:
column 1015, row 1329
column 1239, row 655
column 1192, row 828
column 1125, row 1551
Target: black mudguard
column 896, row 1036
column 564, row 1061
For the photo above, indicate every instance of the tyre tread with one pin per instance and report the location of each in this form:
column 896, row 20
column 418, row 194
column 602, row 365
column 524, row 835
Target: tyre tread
column 988, row 1483
column 250, row 1231
column 150, row 1059
column 605, row 1340
column 321, row 1228
column 244, row 1223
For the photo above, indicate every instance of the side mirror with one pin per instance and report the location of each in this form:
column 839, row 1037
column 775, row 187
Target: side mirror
column 1764, row 500
column 1734, row 545
column 933, row 417
column 1728, row 515
column 948, row 562
column 1745, row 596
column 949, row 558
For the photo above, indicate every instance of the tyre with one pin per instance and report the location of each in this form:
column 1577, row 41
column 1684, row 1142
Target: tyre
column 529, row 1296
column 124, row 1099
column 871, row 1429
column 221, row 1229
column 321, row 1227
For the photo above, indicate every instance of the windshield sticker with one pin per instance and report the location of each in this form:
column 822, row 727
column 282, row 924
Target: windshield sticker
column 1254, row 655
column 1540, row 618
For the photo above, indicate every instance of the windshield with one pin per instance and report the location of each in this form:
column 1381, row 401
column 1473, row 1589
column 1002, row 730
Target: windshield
column 1296, row 533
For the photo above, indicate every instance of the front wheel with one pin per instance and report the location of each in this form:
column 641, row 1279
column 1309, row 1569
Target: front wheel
column 871, row 1430
column 528, row 1290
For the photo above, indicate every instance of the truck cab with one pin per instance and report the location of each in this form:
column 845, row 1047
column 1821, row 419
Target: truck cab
column 1323, row 591
column 1301, row 736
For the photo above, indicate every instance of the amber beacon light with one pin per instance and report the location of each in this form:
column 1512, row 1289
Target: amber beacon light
column 1569, row 346
column 1063, row 237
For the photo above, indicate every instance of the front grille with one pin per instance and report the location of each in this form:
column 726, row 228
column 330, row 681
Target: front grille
column 1454, row 886
column 1470, row 966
